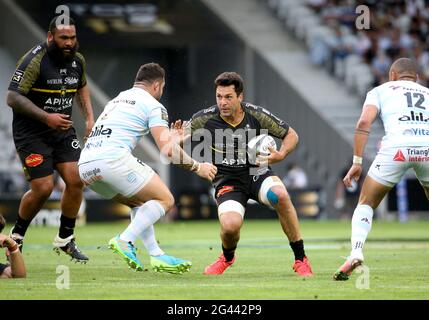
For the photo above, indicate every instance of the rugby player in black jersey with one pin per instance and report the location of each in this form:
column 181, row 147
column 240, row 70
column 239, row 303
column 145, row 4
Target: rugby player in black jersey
column 231, row 123
column 41, row 94
column 16, row 266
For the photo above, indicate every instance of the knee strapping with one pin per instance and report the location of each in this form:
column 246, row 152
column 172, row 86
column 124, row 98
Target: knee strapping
column 272, row 197
column 266, row 194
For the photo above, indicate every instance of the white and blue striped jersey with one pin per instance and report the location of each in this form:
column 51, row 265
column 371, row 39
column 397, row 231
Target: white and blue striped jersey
column 123, row 122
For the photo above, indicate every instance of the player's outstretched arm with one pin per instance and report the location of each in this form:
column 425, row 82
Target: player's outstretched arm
column 171, row 149
column 180, row 131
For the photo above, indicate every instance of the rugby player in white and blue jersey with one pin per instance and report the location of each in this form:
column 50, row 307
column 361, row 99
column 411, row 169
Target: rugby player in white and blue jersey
column 108, row 167
column 403, row 106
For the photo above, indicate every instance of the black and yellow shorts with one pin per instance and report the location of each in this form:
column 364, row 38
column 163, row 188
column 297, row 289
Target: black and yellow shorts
column 39, row 155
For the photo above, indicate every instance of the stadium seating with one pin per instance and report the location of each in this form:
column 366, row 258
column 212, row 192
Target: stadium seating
column 319, row 38
column 399, row 29
column 11, row 178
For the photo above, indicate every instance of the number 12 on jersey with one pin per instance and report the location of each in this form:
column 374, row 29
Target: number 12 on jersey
column 418, row 103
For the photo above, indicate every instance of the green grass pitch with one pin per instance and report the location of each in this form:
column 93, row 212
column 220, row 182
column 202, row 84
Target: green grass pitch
column 397, row 257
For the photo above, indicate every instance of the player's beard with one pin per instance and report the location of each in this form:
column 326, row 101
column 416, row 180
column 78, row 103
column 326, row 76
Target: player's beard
column 158, row 96
column 59, row 54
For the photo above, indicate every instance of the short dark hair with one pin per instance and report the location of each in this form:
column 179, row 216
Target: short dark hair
column 227, row 79
column 2, row 223
column 53, row 23
column 405, row 66
column 150, row 72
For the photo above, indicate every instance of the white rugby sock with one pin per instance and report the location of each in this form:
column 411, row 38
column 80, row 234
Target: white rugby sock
column 361, row 225
column 145, row 216
column 150, row 243
column 148, row 238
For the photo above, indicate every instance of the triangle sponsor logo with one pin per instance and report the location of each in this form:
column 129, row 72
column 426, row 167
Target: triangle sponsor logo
column 399, row 156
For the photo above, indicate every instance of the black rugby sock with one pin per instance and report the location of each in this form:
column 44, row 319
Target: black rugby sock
column 21, row 226
column 66, row 226
column 298, row 249
column 228, row 253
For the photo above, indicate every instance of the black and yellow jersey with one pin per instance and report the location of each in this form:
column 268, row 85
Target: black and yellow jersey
column 228, row 143
column 49, row 84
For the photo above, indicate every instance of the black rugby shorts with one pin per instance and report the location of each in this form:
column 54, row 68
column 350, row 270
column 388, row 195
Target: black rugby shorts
column 39, row 155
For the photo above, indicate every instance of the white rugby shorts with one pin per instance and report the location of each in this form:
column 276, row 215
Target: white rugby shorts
column 109, row 177
column 391, row 163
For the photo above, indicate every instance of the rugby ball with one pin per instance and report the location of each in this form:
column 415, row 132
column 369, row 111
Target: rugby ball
column 259, row 146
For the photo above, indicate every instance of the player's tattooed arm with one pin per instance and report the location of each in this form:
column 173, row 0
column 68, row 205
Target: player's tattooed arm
column 84, row 102
column 21, row 104
column 25, row 106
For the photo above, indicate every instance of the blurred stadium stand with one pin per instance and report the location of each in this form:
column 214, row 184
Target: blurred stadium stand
column 11, row 177
column 360, row 58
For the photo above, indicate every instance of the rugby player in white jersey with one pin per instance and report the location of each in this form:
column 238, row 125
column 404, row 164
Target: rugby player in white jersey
column 108, row 167
column 403, row 106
